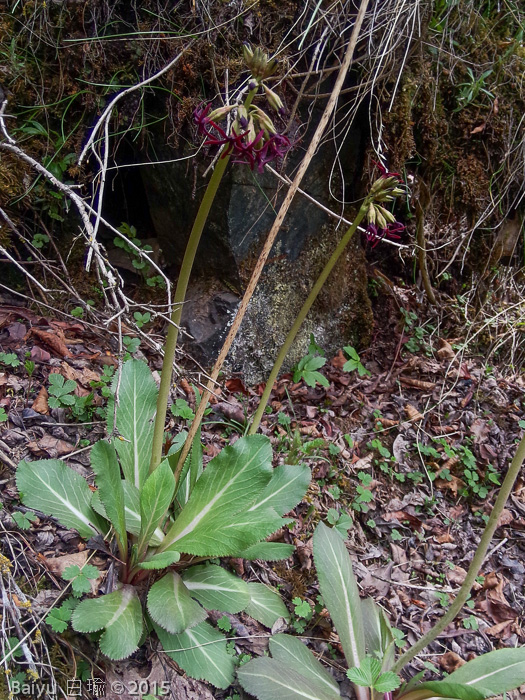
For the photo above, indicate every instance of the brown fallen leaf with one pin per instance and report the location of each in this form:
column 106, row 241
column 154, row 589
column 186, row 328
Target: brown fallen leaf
column 450, row 661
column 38, row 354
column 186, row 387
column 53, row 341
column 417, row 383
column 444, row 538
column 339, row 360
column 236, row 386
column 51, row 446
column 83, row 376
column 413, row 413
column 452, row 483
column 40, row 404
column 445, row 351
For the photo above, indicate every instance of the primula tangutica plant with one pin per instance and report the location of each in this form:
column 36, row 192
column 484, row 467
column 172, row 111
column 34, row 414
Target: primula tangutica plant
column 174, row 518
column 158, row 523
column 252, row 139
column 367, row 639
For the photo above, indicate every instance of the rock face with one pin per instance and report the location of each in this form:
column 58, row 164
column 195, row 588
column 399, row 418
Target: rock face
column 241, row 217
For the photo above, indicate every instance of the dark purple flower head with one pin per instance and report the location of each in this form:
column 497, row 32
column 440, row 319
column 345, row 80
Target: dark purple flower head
column 384, row 172
column 201, row 118
column 243, row 143
column 373, row 234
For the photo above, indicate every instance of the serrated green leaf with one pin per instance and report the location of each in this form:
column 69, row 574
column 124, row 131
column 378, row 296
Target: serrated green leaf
column 291, row 652
column 120, row 613
column 201, row 652
column 343, row 524
column 313, row 378
column 135, row 411
column 287, row 486
column 155, row 498
column 268, row 551
column 313, row 363
column 495, row 672
column 351, row 352
column 160, row 561
column 367, row 673
column 269, row 679
column 50, row 486
column 171, row 606
column 265, row 605
column 340, row 593
column 108, row 480
column 229, row 535
column 217, row 589
column 387, row 682
column 229, row 482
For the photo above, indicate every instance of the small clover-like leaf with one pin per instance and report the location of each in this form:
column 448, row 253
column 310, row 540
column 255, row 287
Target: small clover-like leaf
column 23, row 520
column 80, row 577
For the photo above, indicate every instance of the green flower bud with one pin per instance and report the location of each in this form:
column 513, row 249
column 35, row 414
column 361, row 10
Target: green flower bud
column 217, row 114
column 380, row 220
column 248, row 54
column 264, row 120
column 274, row 100
column 388, row 216
column 371, row 214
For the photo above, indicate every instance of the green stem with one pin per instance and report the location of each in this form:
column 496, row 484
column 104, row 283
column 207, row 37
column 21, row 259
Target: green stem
column 477, row 561
column 178, row 300
column 302, row 315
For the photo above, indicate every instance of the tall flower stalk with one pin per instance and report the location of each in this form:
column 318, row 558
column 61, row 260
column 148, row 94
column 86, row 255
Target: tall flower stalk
column 385, row 189
column 252, row 139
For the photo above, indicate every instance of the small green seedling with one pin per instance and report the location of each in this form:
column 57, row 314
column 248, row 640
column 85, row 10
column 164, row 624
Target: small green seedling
column 80, row 578
column 306, row 370
column 141, row 318
column 354, row 363
column 9, row 359
column 182, row 409
column 23, row 520
column 61, row 391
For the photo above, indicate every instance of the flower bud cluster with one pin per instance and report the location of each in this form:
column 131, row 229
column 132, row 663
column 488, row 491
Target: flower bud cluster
column 258, row 63
column 381, row 222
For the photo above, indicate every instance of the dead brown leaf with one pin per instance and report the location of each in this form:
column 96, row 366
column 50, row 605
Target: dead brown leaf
column 186, row 387
column 445, row 351
column 339, row 360
column 417, row 383
column 40, row 403
column 413, row 413
column 236, row 386
column 51, row 446
column 450, row 661
column 53, row 341
column 38, row 354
